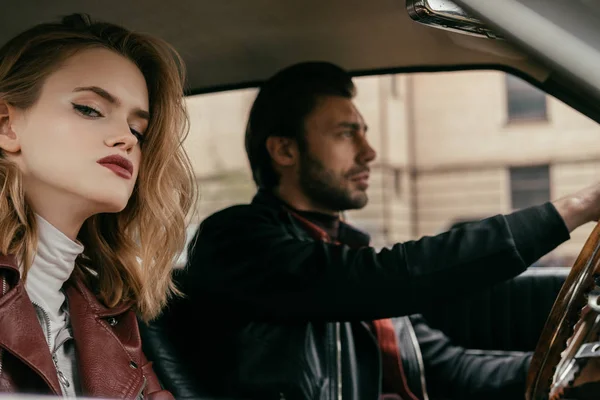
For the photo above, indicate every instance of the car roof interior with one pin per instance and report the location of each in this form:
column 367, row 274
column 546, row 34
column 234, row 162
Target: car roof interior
column 238, row 43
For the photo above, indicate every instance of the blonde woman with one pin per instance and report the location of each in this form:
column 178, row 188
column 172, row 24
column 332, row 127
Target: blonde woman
column 94, row 192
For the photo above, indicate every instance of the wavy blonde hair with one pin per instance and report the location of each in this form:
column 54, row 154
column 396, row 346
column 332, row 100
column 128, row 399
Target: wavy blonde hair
column 128, row 255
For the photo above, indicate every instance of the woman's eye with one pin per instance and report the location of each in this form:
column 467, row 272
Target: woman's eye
column 87, row 111
column 139, row 136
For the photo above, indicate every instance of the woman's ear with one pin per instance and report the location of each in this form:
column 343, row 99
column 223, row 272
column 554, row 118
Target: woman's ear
column 9, row 140
column 283, row 150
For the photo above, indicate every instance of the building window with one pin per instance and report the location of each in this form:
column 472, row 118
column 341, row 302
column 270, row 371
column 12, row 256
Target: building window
column 529, row 186
column 524, row 101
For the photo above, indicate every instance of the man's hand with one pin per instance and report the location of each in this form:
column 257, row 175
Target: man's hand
column 580, row 208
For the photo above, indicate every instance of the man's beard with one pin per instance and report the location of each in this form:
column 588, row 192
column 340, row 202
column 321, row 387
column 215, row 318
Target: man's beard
column 326, row 189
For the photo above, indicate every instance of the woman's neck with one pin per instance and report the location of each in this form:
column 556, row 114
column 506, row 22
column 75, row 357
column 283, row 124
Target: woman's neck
column 52, row 265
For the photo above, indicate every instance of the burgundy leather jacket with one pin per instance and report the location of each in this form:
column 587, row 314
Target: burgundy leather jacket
column 108, row 345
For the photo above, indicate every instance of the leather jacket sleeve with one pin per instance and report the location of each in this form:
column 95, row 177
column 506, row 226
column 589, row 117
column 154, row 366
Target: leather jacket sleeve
column 258, row 264
column 457, row 373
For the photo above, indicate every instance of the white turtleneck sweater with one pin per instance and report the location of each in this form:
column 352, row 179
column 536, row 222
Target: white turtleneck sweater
column 53, row 264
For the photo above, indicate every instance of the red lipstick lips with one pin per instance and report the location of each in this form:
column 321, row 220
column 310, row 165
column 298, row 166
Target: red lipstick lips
column 118, row 164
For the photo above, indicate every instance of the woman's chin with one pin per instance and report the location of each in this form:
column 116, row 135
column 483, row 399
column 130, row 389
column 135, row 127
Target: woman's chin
column 110, row 206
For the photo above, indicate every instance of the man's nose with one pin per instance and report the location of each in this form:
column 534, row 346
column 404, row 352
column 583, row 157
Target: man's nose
column 367, row 153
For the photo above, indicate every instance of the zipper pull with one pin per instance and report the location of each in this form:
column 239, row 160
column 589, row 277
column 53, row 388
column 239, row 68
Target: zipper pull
column 63, row 380
column 140, row 395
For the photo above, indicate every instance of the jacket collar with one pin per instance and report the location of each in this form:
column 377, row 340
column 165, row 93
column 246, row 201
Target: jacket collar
column 105, row 353
column 76, row 287
column 348, row 234
column 9, row 265
column 10, row 269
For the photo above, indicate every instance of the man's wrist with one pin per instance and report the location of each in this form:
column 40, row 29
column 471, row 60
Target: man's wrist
column 573, row 210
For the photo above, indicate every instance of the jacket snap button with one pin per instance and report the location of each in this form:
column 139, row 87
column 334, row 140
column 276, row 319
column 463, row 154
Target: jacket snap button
column 133, row 365
column 112, row 321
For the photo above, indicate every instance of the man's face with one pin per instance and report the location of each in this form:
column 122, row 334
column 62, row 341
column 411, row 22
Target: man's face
column 334, row 165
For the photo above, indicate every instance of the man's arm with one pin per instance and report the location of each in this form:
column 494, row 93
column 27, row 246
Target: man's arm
column 452, row 372
column 247, row 261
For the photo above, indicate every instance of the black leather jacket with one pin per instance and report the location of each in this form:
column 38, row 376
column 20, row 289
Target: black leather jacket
column 435, row 366
column 281, row 313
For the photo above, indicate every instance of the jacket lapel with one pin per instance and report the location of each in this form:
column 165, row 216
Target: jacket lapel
column 20, row 330
column 106, row 368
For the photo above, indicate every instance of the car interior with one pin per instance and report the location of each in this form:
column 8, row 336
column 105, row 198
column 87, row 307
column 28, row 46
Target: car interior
column 237, row 44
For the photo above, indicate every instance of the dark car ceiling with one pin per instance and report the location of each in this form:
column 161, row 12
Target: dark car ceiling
column 238, row 43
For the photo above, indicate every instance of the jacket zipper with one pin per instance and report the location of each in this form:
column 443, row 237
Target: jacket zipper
column 4, row 289
column 61, row 377
column 415, row 342
column 141, row 392
column 338, row 338
column 47, row 321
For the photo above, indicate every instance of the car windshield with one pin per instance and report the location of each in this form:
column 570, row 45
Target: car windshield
column 453, row 147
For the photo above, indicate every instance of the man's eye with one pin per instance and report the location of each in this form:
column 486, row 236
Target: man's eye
column 87, row 111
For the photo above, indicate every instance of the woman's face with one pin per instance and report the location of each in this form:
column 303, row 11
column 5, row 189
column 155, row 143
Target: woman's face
column 78, row 146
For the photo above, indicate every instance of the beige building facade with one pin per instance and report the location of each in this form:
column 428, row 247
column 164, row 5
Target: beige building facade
column 452, row 147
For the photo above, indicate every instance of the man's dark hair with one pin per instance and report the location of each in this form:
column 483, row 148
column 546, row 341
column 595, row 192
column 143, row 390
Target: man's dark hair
column 280, row 109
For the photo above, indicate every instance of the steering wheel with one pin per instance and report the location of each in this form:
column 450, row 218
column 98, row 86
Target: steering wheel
column 554, row 362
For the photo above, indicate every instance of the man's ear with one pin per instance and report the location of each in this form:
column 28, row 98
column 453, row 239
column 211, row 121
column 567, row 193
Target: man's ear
column 9, row 141
column 283, row 150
